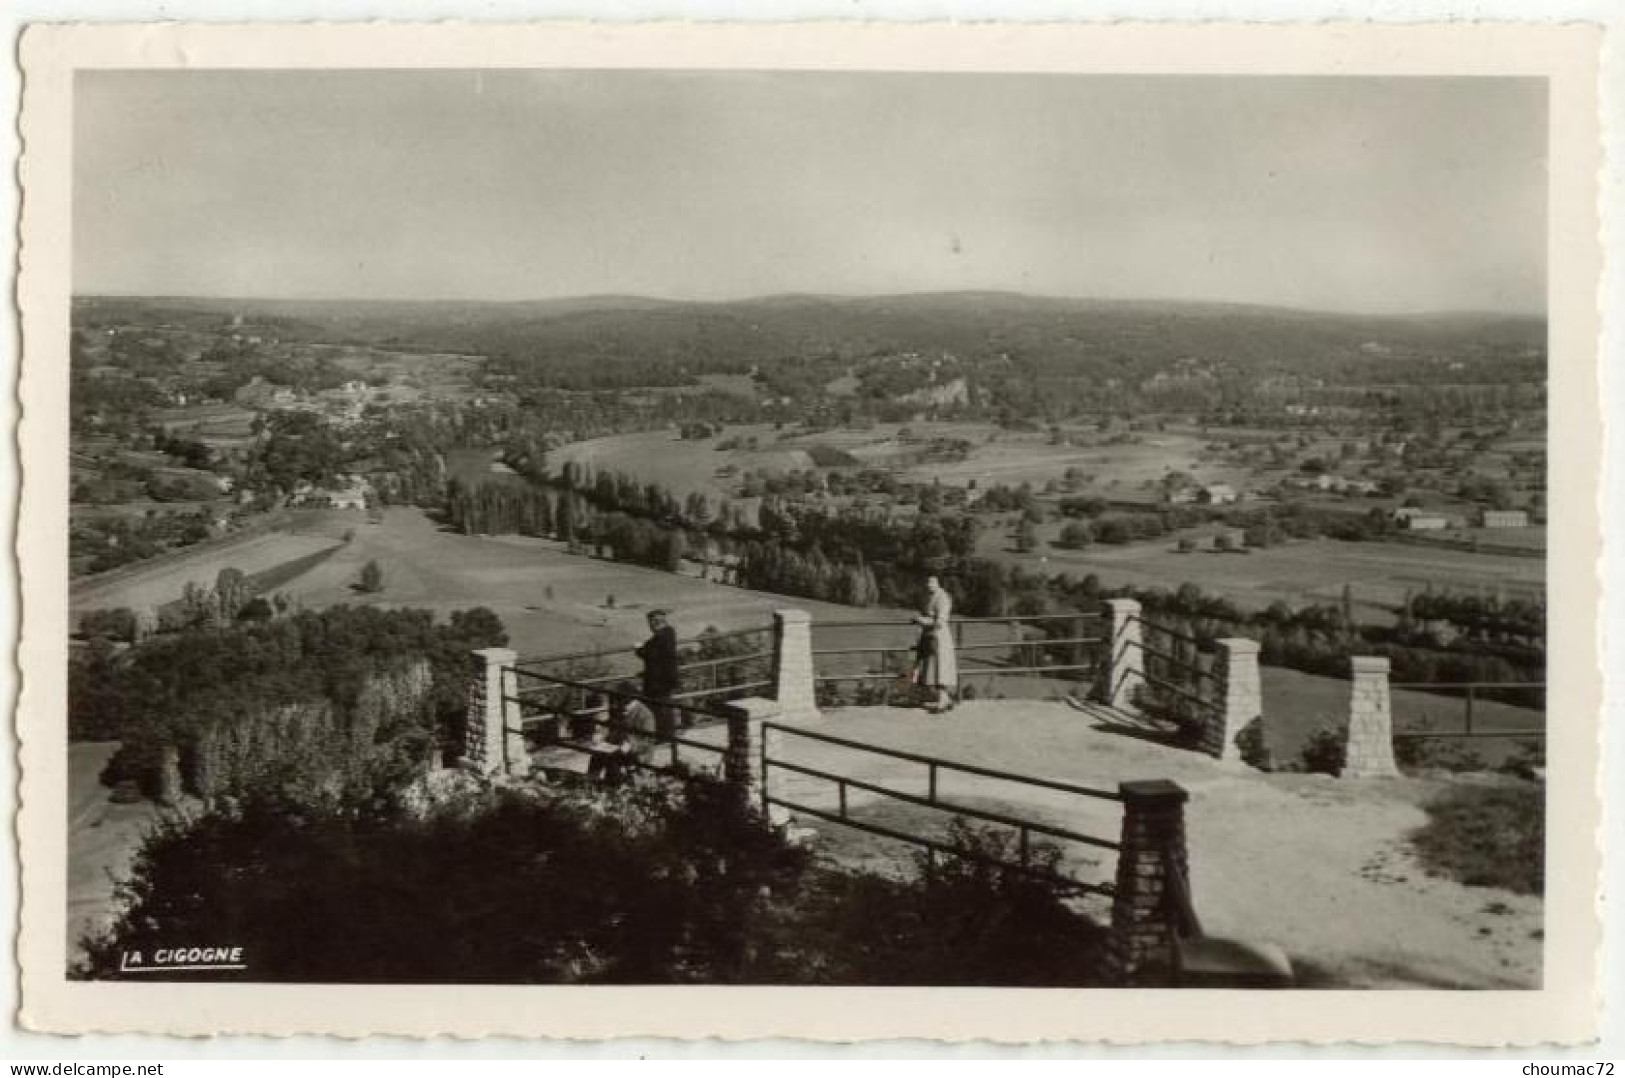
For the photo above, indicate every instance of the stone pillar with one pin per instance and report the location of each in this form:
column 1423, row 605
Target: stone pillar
column 1125, row 668
column 739, row 761
column 1147, row 920
column 793, row 665
column 1241, row 699
column 1369, row 753
column 485, row 746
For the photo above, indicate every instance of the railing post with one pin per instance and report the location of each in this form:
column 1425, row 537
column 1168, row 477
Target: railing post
column 1126, row 661
column 793, row 665
column 764, row 791
column 1241, row 698
column 488, row 716
column 1145, row 912
column 737, row 771
column 1369, row 752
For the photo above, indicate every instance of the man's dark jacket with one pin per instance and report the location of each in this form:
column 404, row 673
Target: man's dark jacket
column 659, row 655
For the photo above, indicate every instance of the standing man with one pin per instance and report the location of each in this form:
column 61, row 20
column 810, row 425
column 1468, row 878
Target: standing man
column 660, row 676
column 941, row 666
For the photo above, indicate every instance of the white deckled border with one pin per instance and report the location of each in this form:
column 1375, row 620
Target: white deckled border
column 1565, row 1011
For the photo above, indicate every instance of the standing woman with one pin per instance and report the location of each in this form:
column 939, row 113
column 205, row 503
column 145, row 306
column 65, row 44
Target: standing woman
column 942, row 668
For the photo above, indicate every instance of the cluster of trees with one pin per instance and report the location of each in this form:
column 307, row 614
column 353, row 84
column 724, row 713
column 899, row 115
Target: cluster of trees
column 191, row 690
column 1482, row 619
column 105, row 543
column 777, row 567
column 294, row 448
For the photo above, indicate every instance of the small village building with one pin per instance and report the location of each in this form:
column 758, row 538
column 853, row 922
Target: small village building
column 1505, row 518
column 1218, row 494
column 1426, row 523
column 348, row 499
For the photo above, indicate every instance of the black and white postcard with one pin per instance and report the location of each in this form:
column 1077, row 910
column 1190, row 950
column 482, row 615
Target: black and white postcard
column 943, row 531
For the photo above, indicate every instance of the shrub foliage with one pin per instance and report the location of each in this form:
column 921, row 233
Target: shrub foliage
column 654, row 883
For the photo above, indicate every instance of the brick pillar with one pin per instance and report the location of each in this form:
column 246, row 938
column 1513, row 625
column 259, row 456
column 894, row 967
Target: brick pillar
column 484, row 735
column 793, row 664
column 1240, row 697
column 1146, row 918
column 739, row 762
column 1125, row 668
column 1369, row 753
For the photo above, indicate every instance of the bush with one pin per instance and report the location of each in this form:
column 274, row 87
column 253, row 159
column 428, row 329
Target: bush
column 1325, row 752
column 652, row 883
column 1527, row 761
column 1436, row 753
column 371, row 579
column 116, row 624
column 1487, row 836
column 1255, row 750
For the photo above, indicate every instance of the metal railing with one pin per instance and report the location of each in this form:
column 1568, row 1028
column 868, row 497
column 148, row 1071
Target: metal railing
column 704, row 673
column 567, row 714
column 932, row 799
column 1172, row 666
column 1079, row 648
column 1474, row 696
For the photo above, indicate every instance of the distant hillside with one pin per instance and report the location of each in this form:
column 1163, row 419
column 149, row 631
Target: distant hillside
column 1047, row 337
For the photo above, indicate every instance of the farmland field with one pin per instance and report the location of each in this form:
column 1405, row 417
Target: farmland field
column 151, row 584
column 1014, row 459
column 681, row 466
column 996, row 456
column 551, row 601
column 1299, row 571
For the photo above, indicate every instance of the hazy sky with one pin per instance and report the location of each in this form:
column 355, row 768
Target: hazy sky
column 1348, row 194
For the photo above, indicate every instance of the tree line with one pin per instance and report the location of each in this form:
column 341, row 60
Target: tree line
column 345, row 676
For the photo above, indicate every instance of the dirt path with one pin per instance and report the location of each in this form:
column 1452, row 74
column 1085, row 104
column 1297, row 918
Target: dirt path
column 1317, row 865
column 102, row 840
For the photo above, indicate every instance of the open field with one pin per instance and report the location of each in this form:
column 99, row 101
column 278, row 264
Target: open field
column 681, row 466
column 1530, row 538
column 552, row 602
column 150, row 584
column 1297, row 572
column 1297, row 705
column 996, row 457
column 1121, row 470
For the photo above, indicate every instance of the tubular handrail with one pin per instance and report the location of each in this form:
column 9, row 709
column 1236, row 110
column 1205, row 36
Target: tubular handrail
column 1180, row 690
column 950, row 765
column 731, row 634
column 574, row 656
column 1178, row 661
column 957, row 809
column 980, row 671
column 722, row 711
column 1467, row 684
column 934, row 847
column 989, row 620
column 604, row 724
column 959, row 645
column 698, row 694
column 700, row 664
column 599, row 653
column 1166, row 631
